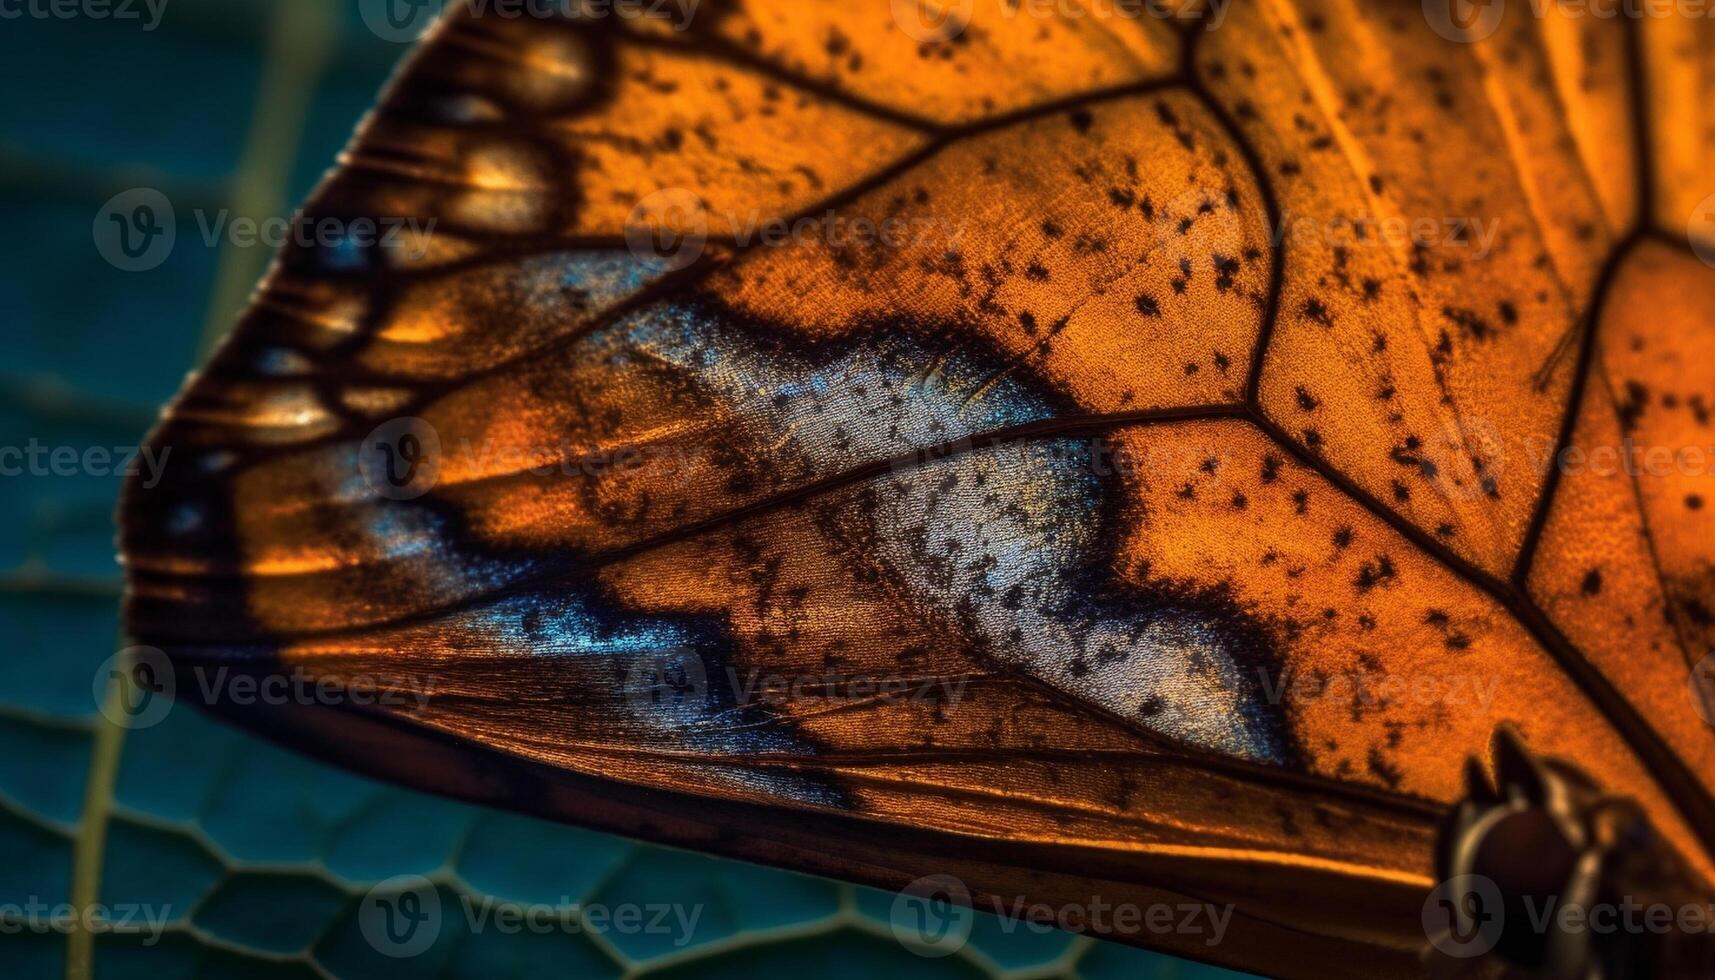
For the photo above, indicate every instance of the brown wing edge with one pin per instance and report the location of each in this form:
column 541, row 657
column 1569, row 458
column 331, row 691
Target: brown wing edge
column 1295, row 920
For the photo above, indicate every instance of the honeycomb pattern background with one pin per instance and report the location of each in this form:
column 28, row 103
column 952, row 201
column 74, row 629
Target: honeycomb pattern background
column 259, row 857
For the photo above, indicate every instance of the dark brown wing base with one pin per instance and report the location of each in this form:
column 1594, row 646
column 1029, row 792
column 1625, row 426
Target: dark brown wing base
column 1339, row 927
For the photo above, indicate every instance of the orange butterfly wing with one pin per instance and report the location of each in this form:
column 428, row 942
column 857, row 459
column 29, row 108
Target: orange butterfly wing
column 1161, row 412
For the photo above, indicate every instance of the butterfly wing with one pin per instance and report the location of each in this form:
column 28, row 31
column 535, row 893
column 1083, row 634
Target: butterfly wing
column 1011, row 447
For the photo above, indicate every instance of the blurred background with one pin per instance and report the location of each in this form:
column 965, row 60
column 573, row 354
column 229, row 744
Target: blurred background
column 246, row 860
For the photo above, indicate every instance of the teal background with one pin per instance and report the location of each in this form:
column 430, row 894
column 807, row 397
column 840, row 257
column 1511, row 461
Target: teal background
column 258, row 855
